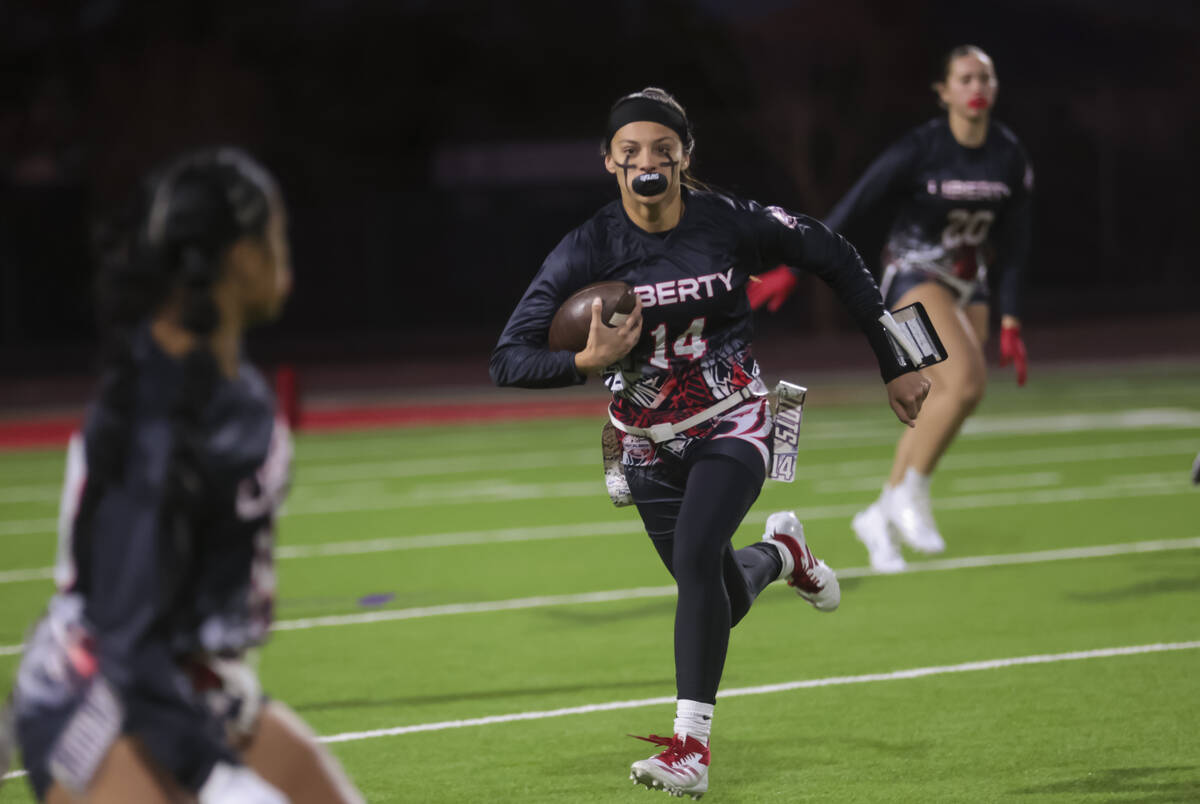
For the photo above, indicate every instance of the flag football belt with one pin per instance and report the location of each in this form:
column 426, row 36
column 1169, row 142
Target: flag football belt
column 665, row 431
column 787, row 408
column 963, row 288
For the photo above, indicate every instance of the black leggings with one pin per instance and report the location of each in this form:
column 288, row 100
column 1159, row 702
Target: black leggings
column 691, row 511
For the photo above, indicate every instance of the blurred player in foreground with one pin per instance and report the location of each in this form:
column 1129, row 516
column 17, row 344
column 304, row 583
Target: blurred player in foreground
column 691, row 408
column 960, row 188
column 136, row 685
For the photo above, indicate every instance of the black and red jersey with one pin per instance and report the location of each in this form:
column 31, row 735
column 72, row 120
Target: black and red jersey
column 151, row 594
column 957, row 210
column 695, row 344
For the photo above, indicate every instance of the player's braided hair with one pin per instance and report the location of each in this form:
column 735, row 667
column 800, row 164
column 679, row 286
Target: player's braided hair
column 170, row 242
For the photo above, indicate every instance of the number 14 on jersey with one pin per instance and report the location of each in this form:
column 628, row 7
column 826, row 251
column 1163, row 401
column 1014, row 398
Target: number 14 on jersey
column 690, row 344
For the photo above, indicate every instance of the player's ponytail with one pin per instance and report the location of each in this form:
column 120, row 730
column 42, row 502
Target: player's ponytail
column 170, row 244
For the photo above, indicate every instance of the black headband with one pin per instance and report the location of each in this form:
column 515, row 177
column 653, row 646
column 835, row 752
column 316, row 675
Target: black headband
column 642, row 108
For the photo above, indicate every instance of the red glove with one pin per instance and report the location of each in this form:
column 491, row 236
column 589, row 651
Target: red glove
column 1012, row 350
column 772, row 288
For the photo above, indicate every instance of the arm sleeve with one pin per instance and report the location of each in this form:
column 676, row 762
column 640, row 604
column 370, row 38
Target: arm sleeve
column 129, row 588
column 522, row 358
column 884, row 177
column 801, row 242
column 1012, row 243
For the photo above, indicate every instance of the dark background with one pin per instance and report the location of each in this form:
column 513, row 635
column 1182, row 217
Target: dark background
column 432, row 153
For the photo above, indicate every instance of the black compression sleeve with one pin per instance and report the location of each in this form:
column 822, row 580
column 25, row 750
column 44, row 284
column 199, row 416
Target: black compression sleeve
column 128, row 594
column 887, row 173
column 1013, row 248
column 522, row 358
column 802, row 242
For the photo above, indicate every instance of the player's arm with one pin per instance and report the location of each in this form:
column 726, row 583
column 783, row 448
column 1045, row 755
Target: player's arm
column 881, row 180
column 1013, row 244
column 800, row 241
column 129, row 585
column 521, row 357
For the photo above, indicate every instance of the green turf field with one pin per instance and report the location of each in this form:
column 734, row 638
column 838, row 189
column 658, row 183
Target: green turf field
column 517, row 590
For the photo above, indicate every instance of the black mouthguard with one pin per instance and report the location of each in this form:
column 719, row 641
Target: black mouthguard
column 650, row 184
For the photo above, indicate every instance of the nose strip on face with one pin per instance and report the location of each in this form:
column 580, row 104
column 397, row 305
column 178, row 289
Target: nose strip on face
column 649, row 184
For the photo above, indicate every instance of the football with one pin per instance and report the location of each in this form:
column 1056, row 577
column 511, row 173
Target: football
column 571, row 324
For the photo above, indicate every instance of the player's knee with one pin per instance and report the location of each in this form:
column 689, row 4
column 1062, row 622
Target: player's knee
column 697, row 566
column 971, row 387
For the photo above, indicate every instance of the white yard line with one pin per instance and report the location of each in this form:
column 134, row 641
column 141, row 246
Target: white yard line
column 20, row 575
column 27, row 527
column 628, row 525
column 613, row 595
column 938, row 565
column 316, row 484
column 765, row 689
column 844, row 432
column 835, row 511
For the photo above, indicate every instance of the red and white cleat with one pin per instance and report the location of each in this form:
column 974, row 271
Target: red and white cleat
column 812, row 578
column 681, row 769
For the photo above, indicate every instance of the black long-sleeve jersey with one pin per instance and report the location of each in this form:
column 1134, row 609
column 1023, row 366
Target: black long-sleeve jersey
column 149, row 599
column 697, row 326
column 954, row 205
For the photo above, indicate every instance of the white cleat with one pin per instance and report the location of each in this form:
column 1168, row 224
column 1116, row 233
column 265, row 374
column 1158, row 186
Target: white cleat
column 681, row 769
column 872, row 529
column 812, row 578
column 909, row 510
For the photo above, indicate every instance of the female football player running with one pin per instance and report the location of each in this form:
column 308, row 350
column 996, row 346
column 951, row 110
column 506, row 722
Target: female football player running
column 687, row 396
column 960, row 187
column 136, row 685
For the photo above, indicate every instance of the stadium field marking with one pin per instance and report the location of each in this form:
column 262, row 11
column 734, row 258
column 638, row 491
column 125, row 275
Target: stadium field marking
column 836, row 511
column 544, row 601
column 763, row 689
column 766, row 689
column 844, row 432
column 647, row 592
column 624, row 526
column 502, row 492
column 19, row 575
column 333, row 447
column 27, row 527
column 855, row 474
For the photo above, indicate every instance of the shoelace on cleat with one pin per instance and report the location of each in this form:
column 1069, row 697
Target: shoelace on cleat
column 674, row 753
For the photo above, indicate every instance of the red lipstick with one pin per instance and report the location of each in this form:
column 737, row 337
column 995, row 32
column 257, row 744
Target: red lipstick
column 978, row 103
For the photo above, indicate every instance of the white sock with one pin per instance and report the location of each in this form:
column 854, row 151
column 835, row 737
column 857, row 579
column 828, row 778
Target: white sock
column 884, row 498
column 916, row 481
column 693, row 719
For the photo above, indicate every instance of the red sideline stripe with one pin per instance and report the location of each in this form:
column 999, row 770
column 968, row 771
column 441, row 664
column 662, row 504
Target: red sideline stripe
column 41, row 433
column 34, row 433
column 413, row 415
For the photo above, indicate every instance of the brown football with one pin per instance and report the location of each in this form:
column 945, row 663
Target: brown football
column 573, row 321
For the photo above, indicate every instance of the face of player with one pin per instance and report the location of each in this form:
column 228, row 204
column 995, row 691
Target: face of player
column 643, row 148
column 260, row 269
column 969, row 88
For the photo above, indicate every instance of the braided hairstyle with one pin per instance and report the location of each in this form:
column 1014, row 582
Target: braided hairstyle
column 170, row 243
